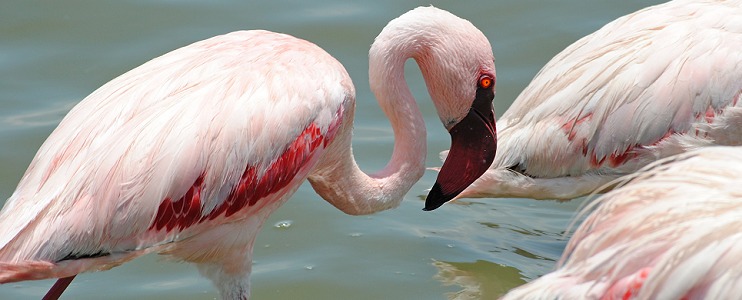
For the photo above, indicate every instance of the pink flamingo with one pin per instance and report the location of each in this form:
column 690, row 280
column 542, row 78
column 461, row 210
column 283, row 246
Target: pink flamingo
column 188, row 154
column 657, row 82
column 671, row 232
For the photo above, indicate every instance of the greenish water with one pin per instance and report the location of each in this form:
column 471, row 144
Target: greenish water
column 54, row 53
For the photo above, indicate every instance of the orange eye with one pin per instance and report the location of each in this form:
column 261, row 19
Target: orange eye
column 485, row 82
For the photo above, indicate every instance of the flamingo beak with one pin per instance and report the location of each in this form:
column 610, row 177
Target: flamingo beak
column 473, row 147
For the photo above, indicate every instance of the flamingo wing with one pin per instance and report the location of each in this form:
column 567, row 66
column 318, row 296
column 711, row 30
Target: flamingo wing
column 670, row 232
column 190, row 138
column 672, row 69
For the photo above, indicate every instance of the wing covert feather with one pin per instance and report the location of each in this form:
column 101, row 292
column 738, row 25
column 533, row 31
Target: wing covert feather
column 638, row 80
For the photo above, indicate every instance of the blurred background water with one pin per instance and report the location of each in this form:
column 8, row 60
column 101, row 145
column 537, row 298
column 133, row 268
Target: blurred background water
column 54, row 53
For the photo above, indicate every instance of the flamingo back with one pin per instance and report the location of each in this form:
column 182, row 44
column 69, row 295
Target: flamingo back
column 201, row 136
column 658, row 82
column 662, row 71
column 671, row 232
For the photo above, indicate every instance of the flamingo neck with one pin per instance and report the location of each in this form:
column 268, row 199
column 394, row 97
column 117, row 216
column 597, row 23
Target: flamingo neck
column 338, row 179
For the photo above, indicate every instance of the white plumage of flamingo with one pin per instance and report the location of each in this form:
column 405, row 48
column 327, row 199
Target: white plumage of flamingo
column 661, row 81
column 188, row 154
column 672, row 232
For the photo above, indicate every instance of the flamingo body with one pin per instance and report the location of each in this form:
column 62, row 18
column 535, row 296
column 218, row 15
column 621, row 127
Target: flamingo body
column 658, row 82
column 188, row 154
column 209, row 162
column 671, row 232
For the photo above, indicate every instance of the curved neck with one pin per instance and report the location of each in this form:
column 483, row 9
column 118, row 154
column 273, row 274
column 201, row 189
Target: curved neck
column 338, row 179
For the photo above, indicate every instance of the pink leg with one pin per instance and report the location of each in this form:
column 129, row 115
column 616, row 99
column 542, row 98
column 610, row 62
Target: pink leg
column 58, row 288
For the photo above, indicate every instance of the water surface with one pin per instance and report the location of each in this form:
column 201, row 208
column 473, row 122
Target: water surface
column 54, row 53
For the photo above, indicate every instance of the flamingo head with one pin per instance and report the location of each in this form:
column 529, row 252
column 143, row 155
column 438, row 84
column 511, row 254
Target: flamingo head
column 473, row 147
column 458, row 66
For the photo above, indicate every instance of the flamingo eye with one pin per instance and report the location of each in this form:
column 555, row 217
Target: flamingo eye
column 485, row 81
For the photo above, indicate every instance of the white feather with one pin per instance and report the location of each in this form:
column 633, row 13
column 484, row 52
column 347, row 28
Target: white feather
column 678, row 220
column 643, row 83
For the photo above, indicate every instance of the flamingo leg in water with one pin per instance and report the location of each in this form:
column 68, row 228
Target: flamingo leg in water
column 58, row 288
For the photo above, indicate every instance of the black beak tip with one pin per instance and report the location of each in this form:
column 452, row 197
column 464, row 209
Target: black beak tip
column 431, row 207
column 436, row 198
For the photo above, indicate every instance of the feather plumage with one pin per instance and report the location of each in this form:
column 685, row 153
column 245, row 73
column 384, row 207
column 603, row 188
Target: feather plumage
column 670, row 231
column 657, row 82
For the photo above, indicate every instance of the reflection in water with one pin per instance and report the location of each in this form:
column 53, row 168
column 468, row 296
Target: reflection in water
column 530, row 255
column 500, row 244
column 478, row 280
